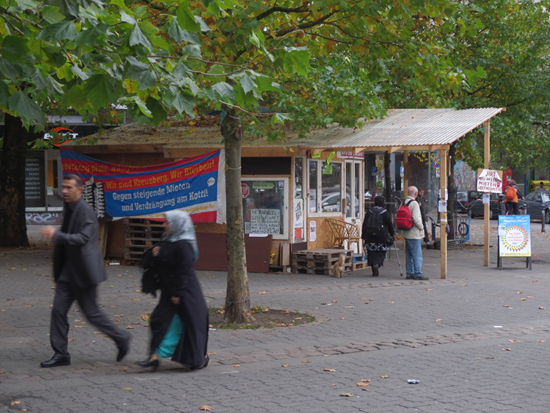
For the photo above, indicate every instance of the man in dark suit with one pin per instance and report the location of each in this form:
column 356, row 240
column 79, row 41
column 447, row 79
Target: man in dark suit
column 78, row 268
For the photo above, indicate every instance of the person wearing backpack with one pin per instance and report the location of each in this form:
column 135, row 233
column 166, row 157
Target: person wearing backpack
column 513, row 194
column 409, row 221
column 376, row 232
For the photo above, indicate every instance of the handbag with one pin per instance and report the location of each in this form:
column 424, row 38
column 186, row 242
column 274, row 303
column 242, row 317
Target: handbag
column 387, row 237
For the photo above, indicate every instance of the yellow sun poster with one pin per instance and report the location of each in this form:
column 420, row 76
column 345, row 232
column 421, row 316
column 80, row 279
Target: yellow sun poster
column 514, row 235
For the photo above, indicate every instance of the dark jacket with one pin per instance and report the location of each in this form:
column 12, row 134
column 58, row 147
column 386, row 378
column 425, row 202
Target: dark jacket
column 175, row 265
column 77, row 250
column 386, row 221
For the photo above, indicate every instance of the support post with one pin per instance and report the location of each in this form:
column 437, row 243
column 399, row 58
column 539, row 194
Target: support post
column 406, row 174
column 443, row 154
column 487, row 159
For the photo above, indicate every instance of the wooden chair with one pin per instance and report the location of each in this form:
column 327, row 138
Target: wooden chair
column 343, row 231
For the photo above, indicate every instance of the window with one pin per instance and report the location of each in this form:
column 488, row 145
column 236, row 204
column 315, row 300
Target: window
column 265, row 208
column 325, row 186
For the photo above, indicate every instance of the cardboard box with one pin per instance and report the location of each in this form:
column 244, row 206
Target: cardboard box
column 284, row 254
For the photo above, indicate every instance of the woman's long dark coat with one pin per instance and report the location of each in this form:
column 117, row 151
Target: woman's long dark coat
column 375, row 246
column 175, row 265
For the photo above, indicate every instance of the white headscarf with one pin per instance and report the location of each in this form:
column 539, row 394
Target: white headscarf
column 181, row 227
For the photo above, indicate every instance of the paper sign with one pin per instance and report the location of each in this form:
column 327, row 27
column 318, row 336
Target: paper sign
column 489, row 180
column 265, row 221
column 312, row 231
column 446, row 194
column 442, row 207
column 486, row 198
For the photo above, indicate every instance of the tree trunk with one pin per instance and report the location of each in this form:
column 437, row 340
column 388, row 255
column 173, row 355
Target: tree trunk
column 13, row 226
column 237, row 301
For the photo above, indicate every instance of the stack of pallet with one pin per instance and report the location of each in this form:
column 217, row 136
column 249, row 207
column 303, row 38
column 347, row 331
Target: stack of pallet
column 319, row 261
column 140, row 235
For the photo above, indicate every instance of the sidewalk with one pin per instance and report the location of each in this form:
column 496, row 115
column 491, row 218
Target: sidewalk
column 452, row 335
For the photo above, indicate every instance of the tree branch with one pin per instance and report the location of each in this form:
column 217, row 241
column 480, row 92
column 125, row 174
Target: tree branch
column 275, row 9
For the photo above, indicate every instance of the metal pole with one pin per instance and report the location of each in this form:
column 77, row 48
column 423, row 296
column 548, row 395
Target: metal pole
column 543, row 219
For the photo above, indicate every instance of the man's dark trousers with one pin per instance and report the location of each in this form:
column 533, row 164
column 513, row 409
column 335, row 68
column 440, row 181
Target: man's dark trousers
column 65, row 295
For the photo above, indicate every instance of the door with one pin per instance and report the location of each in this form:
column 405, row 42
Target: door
column 353, row 184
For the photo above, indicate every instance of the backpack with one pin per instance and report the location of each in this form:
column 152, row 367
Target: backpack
column 374, row 225
column 403, row 218
column 511, row 194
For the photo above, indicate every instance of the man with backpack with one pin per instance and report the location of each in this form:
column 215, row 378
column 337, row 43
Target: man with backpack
column 377, row 234
column 513, row 194
column 409, row 221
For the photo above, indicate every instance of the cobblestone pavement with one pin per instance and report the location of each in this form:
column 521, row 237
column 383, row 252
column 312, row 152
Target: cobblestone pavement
column 477, row 341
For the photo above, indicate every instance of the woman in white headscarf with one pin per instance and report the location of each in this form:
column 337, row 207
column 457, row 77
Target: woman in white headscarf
column 179, row 322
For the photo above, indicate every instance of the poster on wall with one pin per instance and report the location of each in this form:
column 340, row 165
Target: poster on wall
column 196, row 185
column 312, row 231
column 489, row 180
column 514, row 235
column 298, row 213
column 265, row 221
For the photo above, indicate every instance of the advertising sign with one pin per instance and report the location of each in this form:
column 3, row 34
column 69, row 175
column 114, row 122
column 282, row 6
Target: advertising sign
column 196, row 185
column 514, row 235
column 489, row 181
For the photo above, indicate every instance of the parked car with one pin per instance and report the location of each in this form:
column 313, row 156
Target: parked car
column 471, row 203
column 534, row 201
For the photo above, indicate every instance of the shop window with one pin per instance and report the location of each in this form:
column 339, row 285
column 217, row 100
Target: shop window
column 265, row 208
column 326, row 180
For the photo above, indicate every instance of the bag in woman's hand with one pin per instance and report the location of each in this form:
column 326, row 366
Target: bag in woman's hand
column 388, row 238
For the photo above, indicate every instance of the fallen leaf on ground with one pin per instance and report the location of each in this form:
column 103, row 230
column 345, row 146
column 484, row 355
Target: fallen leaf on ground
column 366, row 302
column 542, row 308
column 306, row 361
column 205, row 407
column 323, row 303
column 286, row 312
column 263, row 292
column 439, row 319
column 127, row 388
column 78, row 326
column 361, row 384
column 523, row 299
column 334, row 301
column 342, row 318
column 370, row 299
column 236, row 365
column 329, row 370
column 265, row 310
column 362, row 298
column 541, row 341
column 464, row 285
column 15, row 402
column 129, row 327
column 414, row 346
column 365, row 381
column 144, row 317
column 76, row 311
column 72, row 339
column 135, row 322
column 346, row 395
column 520, row 292
column 391, row 302
column 489, row 357
column 211, row 354
column 513, row 341
column 506, row 349
column 284, row 365
column 124, row 369
column 383, row 377
column 506, row 306
column 135, row 299
column 530, row 296
column 365, row 389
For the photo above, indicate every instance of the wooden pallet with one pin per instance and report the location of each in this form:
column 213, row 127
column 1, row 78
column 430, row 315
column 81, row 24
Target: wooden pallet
column 140, row 235
column 319, row 261
column 359, row 266
column 321, row 254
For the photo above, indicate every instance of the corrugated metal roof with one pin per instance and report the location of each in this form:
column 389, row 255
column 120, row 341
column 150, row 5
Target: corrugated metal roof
column 401, row 128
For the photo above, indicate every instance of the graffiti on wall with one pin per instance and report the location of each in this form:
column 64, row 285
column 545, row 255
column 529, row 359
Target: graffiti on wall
column 44, row 218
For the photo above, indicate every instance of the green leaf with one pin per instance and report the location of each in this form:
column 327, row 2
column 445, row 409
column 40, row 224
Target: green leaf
column 184, row 101
column 80, row 73
column 101, row 91
column 203, row 25
column 58, row 31
column 37, row 78
column 141, row 105
column 126, row 18
column 224, row 89
column 280, row 118
column 180, row 72
column 14, row 49
column 90, row 37
column 267, row 84
column 254, row 40
column 138, row 38
column 157, row 110
column 191, row 50
column 11, row 71
column 142, row 73
column 297, row 60
column 55, row 56
column 53, row 87
column 180, row 35
column 51, row 14
column 247, row 83
column 26, row 108
column 186, row 18
column 4, row 95
column 75, row 98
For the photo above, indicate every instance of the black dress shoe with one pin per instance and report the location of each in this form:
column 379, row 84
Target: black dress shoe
column 57, row 361
column 149, row 363
column 123, row 349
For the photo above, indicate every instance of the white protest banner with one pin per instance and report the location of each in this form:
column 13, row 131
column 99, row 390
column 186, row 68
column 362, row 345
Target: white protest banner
column 489, row 180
